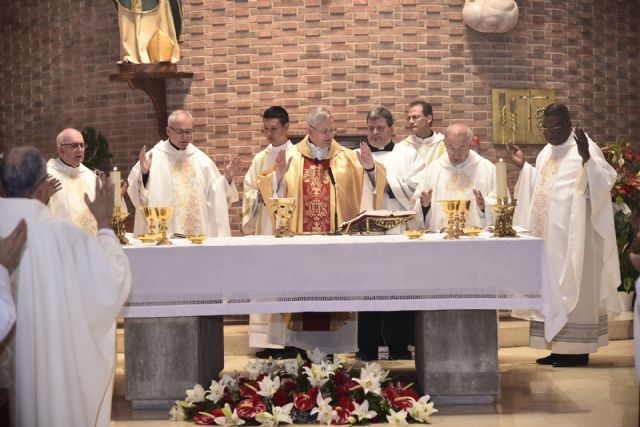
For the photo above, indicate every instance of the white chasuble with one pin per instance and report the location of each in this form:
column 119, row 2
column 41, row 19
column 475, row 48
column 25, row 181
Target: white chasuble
column 188, row 181
column 449, row 181
column 70, row 288
column 429, row 149
column 69, row 202
column 569, row 205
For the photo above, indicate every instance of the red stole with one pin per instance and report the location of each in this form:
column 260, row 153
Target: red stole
column 316, row 196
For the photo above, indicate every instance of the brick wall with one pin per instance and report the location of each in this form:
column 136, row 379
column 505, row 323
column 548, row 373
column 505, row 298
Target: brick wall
column 349, row 55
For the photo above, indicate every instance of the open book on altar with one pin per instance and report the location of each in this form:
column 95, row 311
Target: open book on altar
column 376, row 221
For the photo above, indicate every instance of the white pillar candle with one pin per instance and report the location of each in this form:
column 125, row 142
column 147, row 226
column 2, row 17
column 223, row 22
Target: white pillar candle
column 502, row 191
column 115, row 179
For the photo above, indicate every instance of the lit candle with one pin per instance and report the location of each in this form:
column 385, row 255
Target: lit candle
column 115, row 179
column 501, row 180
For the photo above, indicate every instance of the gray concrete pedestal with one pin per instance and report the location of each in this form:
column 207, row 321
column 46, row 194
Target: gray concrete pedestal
column 457, row 356
column 166, row 356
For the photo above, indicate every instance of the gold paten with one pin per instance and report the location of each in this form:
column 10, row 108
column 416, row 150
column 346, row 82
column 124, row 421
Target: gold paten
column 451, row 208
column 517, row 114
column 164, row 215
column 160, row 47
column 118, row 218
column 283, row 210
column 504, row 218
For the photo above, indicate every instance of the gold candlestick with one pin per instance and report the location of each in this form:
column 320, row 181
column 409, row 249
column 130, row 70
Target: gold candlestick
column 164, row 215
column 504, row 218
column 118, row 224
column 451, row 209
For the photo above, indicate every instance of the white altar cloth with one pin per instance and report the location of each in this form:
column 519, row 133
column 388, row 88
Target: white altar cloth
column 264, row 274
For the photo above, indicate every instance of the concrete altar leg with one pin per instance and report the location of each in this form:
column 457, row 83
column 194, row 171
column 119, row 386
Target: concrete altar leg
column 166, row 356
column 457, row 355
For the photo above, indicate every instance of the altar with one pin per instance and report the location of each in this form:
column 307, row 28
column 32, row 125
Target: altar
column 181, row 291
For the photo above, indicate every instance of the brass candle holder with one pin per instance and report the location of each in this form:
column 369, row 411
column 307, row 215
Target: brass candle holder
column 283, row 210
column 503, row 211
column 118, row 218
column 451, row 208
column 164, row 215
column 463, row 209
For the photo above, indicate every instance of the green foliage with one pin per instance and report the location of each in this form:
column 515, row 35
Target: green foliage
column 624, row 237
column 96, row 151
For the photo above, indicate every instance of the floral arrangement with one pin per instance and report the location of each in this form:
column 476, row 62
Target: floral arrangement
column 626, row 198
column 315, row 391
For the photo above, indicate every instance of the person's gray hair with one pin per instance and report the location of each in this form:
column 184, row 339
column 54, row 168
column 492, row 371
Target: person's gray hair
column 458, row 128
column 176, row 115
column 22, row 171
column 318, row 115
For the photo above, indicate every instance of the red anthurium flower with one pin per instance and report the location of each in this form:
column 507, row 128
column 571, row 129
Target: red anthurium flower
column 218, row 412
column 248, row 408
column 249, row 389
column 305, row 401
column 343, row 416
column 288, row 385
column 203, row 420
column 339, row 378
column 280, row 398
column 347, row 403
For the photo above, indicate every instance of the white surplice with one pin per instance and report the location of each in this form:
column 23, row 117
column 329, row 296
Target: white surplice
column 189, row 181
column 7, row 305
column 256, row 220
column 429, row 148
column 568, row 204
column 70, row 286
column 457, row 182
column 69, row 201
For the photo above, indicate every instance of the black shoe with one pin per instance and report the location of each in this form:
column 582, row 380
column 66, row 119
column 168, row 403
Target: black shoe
column 366, row 356
column 277, row 353
column 400, row 355
column 549, row 360
column 567, row 360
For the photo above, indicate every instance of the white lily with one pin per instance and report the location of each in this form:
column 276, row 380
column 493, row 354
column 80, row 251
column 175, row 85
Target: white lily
column 374, row 369
column 230, row 382
column 196, row 394
column 397, row 418
column 362, row 412
column 268, row 387
column 269, row 366
column 177, row 413
column 316, row 356
column 253, row 368
column 422, row 409
column 325, row 412
column 316, row 375
column 279, row 414
column 215, row 392
column 230, row 418
column 291, row 367
column 369, row 384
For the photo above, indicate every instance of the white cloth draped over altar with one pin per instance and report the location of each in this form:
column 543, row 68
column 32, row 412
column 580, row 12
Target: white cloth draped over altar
column 264, row 274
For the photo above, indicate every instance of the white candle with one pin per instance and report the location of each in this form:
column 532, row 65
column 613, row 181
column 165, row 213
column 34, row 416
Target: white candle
column 115, row 179
column 501, row 180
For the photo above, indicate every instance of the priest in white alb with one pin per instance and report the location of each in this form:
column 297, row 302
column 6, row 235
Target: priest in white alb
column 331, row 184
column 177, row 174
column 566, row 201
column 257, row 219
column 10, row 253
column 460, row 174
column 426, row 141
column 69, row 287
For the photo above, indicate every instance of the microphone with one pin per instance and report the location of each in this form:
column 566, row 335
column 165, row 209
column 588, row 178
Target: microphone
column 316, row 161
column 335, row 199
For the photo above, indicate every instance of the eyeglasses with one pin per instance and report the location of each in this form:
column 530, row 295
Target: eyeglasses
column 182, row 132
column 326, row 131
column 415, row 118
column 459, row 150
column 74, row 145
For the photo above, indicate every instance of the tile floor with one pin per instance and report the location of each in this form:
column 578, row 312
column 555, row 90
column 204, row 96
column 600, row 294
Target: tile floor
column 603, row 394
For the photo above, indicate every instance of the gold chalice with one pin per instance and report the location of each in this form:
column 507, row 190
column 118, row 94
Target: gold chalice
column 151, row 216
column 283, row 210
column 451, row 209
column 118, row 218
column 463, row 209
column 164, row 215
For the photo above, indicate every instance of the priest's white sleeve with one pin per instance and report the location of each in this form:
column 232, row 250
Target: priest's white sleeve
column 250, row 205
column 7, row 305
column 523, row 192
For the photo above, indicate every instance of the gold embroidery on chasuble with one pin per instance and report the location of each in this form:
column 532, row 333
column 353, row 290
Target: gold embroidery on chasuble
column 458, row 185
column 76, row 188
column 187, row 210
column 541, row 199
column 316, row 192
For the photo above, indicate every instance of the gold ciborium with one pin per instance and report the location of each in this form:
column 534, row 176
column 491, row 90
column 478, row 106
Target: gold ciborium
column 118, row 218
column 151, row 216
column 164, row 215
column 463, row 209
column 451, row 208
column 503, row 226
column 283, row 210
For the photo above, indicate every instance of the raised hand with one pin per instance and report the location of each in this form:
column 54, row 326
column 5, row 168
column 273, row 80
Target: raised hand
column 365, row 156
column 232, row 168
column 53, row 186
column 145, row 161
column 425, row 198
column 479, row 199
column 282, row 165
column 515, row 154
column 102, row 206
column 583, row 144
column 11, row 246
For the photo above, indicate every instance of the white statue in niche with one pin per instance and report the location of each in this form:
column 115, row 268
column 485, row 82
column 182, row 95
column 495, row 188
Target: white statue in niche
column 490, row 16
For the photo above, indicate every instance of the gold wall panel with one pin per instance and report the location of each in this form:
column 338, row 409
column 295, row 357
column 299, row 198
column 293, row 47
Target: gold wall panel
column 517, row 114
